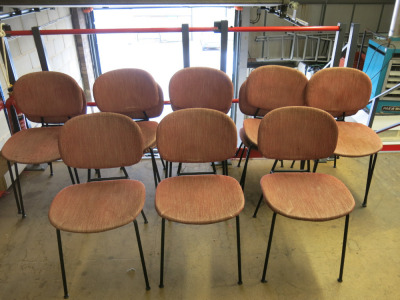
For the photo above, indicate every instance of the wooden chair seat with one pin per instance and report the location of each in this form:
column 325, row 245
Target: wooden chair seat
column 97, row 206
column 33, row 146
column 199, row 199
column 307, row 196
column 357, row 140
column 251, row 130
column 149, row 130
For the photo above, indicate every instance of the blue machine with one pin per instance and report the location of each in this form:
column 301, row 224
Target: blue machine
column 382, row 65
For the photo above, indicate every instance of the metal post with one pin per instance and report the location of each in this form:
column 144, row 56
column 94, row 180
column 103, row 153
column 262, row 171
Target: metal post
column 224, row 45
column 337, row 49
column 352, row 45
column 41, row 50
column 185, row 45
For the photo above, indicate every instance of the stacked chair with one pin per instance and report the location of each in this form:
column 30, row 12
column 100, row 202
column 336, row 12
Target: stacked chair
column 343, row 92
column 115, row 140
column 200, row 87
column 49, row 98
column 302, row 133
column 267, row 88
column 198, row 135
column 134, row 93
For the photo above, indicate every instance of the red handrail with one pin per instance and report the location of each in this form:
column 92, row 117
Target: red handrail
column 165, row 102
column 175, row 29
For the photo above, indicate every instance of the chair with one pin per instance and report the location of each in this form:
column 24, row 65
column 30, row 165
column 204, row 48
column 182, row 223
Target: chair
column 198, row 199
column 200, row 87
column 342, row 92
column 267, row 88
column 302, row 133
column 48, row 98
column 114, row 140
column 134, row 93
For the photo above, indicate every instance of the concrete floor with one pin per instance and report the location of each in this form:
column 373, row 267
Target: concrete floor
column 200, row 261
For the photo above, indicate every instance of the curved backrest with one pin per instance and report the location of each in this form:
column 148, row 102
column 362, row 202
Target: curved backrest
column 297, row 133
column 201, row 87
column 339, row 91
column 100, row 140
column 48, row 96
column 132, row 92
column 271, row 87
column 196, row 135
column 245, row 106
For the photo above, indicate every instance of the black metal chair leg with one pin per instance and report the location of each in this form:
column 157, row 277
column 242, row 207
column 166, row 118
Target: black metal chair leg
column 162, row 253
column 60, row 252
column 269, row 247
column 76, row 175
column 214, row 168
column 334, row 161
column 72, row 176
column 146, row 279
column 243, row 178
column 178, row 172
column 346, row 227
column 239, row 257
column 238, row 149
column 258, row 206
column 157, row 178
column 144, row 217
column 371, row 167
column 51, row 168
column 241, row 156
column 162, row 162
column 16, row 196
column 21, row 201
column 125, row 172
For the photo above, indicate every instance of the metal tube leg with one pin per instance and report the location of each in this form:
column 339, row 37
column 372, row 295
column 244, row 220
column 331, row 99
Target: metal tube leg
column 51, row 168
column 14, row 187
column 144, row 217
column 238, row 149
column 21, row 201
column 179, row 169
column 157, row 178
column 241, row 155
column 162, row 254
column 346, row 228
column 125, row 172
column 258, row 206
column 243, row 178
column 72, row 176
column 162, row 162
column 60, row 252
column 141, row 255
column 76, row 175
column 269, row 247
column 239, row 257
column 371, row 167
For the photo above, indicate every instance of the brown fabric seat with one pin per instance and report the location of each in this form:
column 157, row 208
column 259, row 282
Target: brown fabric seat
column 267, row 88
column 343, row 92
column 114, row 140
column 134, row 93
column 45, row 97
column 302, row 133
column 198, row 199
column 33, row 146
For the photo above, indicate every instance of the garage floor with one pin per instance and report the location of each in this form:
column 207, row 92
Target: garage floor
column 200, row 261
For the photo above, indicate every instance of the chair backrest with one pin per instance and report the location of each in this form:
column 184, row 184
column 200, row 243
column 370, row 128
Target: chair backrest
column 132, row 92
column 245, row 106
column 201, row 87
column 297, row 133
column 196, row 135
column 49, row 97
column 339, row 91
column 271, row 87
column 100, row 140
